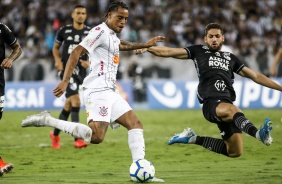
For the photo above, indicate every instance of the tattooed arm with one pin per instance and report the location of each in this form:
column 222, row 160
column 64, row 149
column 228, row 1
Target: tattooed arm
column 126, row 46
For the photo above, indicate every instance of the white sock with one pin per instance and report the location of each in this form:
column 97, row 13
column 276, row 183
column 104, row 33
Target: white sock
column 257, row 135
column 136, row 144
column 77, row 130
column 192, row 140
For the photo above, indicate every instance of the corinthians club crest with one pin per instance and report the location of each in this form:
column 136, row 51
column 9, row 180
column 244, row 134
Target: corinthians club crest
column 103, row 111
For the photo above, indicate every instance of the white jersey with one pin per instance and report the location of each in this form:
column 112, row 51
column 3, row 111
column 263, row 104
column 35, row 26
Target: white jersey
column 102, row 45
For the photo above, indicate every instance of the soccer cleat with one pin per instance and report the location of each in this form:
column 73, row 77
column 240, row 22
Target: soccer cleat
column 182, row 137
column 5, row 168
column 55, row 140
column 37, row 120
column 79, row 143
column 157, row 180
column 264, row 132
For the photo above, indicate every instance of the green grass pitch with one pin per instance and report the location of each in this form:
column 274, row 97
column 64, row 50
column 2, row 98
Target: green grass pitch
column 37, row 163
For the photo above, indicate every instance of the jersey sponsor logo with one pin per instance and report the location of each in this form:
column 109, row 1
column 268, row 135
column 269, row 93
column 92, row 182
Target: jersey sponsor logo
column 116, row 59
column 68, row 31
column 103, row 111
column 97, row 28
column 219, row 63
column 101, row 68
column 220, row 85
column 170, row 97
column 226, row 55
column 71, row 47
column 99, row 35
column 76, row 38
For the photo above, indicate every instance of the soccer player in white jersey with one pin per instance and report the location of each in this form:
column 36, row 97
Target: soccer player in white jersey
column 104, row 106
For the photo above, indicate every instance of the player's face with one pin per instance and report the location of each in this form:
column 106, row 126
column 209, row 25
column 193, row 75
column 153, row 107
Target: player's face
column 79, row 15
column 214, row 39
column 117, row 20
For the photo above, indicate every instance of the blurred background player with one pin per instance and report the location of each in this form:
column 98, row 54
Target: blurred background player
column 6, row 37
column 69, row 37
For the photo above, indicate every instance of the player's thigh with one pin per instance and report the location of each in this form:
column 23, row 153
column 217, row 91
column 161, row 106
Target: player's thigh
column 67, row 105
column 75, row 100
column 234, row 144
column 226, row 111
column 129, row 120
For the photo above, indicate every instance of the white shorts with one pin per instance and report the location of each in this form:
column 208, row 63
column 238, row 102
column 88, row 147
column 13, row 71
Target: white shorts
column 105, row 106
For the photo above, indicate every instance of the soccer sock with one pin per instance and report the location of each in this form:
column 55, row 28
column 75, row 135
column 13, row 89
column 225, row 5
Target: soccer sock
column 64, row 115
column 212, row 144
column 136, row 144
column 77, row 130
column 244, row 124
column 75, row 115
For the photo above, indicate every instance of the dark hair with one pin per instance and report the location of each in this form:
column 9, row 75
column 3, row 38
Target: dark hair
column 213, row 26
column 79, row 6
column 115, row 5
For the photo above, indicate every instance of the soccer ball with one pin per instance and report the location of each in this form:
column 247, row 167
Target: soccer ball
column 142, row 171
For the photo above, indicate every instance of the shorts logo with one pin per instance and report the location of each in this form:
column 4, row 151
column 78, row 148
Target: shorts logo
column 103, row 111
column 220, row 85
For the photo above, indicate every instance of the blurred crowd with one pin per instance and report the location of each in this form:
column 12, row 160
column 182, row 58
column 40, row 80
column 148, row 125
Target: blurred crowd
column 252, row 27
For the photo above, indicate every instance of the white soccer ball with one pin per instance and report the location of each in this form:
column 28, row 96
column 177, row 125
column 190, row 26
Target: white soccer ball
column 142, row 171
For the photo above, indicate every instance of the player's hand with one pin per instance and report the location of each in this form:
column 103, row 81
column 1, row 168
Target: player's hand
column 60, row 89
column 59, row 66
column 139, row 51
column 6, row 63
column 154, row 40
column 84, row 63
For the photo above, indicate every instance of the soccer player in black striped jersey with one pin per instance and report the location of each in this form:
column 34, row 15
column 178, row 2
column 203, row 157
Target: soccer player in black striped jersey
column 6, row 37
column 69, row 37
column 215, row 91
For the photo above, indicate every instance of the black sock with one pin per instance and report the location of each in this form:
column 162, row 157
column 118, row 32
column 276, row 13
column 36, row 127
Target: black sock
column 212, row 144
column 63, row 116
column 244, row 124
column 75, row 115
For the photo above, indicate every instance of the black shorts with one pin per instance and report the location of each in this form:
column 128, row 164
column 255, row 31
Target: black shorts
column 227, row 129
column 73, row 87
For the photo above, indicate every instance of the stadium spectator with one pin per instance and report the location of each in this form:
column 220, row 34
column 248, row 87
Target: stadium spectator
column 6, row 37
column 69, row 37
column 104, row 106
column 215, row 91
column 276, row 69
column 241, row 16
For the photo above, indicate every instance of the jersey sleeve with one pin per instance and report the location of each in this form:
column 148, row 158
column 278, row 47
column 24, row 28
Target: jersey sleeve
column 93, row 39
column 60, row 35
column 191, row 50
column 9, row 37
column 238, row 64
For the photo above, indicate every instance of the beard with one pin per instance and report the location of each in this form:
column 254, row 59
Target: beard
column 213, row 48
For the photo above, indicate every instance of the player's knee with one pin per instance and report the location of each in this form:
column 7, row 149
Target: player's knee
column 235, row 154
column 96, row 139
column 136, row 124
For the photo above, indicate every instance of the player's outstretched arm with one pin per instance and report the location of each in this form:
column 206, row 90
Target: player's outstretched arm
column 259, row 78
column 161, row 51
column 126, row 46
